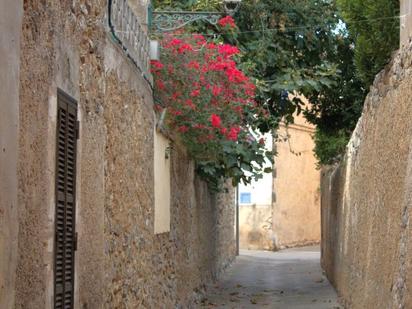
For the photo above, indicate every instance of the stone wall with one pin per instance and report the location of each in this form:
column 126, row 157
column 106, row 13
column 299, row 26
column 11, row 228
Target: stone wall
column 366, row 200
column 120, row 262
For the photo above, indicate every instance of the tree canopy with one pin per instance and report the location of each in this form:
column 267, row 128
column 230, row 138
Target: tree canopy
column 308, row 47
column 374, row 25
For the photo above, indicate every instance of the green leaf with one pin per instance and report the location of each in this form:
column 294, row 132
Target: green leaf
column 246, row 167
column 268, row 170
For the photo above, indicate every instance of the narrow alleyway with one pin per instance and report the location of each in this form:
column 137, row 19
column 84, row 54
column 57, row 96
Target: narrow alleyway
column 286, row 279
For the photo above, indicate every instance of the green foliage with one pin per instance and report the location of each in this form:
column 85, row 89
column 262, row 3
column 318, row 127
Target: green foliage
column 336, row 110
column 303, row 46
column 329, row 146
column 287, row 46
column 375, row 26
column 242, row 162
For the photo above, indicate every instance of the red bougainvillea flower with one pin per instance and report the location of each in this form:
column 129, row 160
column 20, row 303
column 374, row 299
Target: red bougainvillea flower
column 160, row 84
column 195, row 93
column 184, row 47
column 176, row 112
column 175, row 96
column 209, row 101
column 170, row 69
column 234, row 75
column 216, row 90
column 211, row 46
column 227, row 21
column 250, row 89
column 233, row 134
column 175, row 42
column 157, row 64
column 215, row 120
column 193, row 65
column 227, row 50
column 200, row 39
column 190, row 104
column 183, row 129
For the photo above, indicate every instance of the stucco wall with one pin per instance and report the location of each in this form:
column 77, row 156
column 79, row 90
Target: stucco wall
column 296, row 187
column 120, row 262
column 366, row 201
column 10, row 25
column 255, row 222
column 162, row 148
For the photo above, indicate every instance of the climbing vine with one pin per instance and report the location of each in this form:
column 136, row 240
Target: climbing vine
column 209, row 105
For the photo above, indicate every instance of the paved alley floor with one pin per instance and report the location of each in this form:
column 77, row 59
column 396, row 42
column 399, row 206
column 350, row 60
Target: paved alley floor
column 286, row 279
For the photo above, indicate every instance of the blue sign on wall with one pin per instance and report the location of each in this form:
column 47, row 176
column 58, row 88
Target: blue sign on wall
column 245, row 198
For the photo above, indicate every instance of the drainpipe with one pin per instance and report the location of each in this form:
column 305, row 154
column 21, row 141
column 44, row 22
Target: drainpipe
column 237, row 220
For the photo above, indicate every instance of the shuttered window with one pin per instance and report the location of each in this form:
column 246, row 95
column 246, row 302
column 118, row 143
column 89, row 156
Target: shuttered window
column 65, row 233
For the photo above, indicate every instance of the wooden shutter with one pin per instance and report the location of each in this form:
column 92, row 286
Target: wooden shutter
column 65, row 242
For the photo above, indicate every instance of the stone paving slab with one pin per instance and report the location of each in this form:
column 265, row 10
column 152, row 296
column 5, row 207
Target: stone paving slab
column 290, row 279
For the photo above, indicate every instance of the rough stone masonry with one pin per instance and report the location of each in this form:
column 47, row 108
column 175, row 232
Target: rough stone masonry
column 120, row 262
column 367, row 199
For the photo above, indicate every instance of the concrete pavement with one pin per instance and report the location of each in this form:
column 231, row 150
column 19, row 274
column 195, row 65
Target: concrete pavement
column 285, row 279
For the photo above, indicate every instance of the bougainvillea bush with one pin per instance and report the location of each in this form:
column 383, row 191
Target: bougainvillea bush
column 209, row 104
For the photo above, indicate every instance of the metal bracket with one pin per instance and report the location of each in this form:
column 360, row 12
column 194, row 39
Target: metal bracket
column 165, row 21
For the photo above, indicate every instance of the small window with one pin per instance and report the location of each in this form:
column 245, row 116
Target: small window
column 245, row 198
column 161, row 183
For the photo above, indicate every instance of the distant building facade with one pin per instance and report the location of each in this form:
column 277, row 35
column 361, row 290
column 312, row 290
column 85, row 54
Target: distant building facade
column 255, row 210
column 283, row 209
